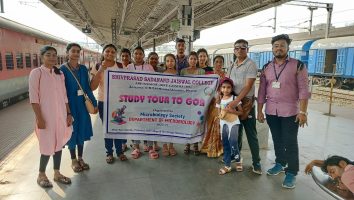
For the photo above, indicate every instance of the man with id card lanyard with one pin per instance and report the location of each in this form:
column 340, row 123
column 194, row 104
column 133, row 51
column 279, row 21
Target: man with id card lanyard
column 284, row 89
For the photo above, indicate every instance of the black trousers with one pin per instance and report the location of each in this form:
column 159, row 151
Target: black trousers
column 284, row 133
column 249, row 125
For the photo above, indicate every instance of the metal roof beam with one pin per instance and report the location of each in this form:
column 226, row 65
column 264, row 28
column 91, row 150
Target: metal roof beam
column 124, row 12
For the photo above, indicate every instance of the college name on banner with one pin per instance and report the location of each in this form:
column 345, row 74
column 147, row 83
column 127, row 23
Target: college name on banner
column 158, row 107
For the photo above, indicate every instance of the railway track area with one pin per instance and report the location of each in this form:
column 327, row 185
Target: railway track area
column 340, row 97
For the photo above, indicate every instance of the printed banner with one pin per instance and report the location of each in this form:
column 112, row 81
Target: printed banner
column 157, row 107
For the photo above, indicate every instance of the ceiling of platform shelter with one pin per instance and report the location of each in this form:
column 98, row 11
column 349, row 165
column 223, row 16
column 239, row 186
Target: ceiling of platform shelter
column 131, row 20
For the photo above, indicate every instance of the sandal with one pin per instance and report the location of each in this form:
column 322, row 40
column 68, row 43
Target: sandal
column 44, row 182
column 75, row 165
column 224, row 170
column 165, row 151
column 62, row 179
column 83, row 165
column 136, row 154
column 239, row 167
column 187, row 149
column 110, row 159
column 173, row 151
column 153, row 154
column 122, row 157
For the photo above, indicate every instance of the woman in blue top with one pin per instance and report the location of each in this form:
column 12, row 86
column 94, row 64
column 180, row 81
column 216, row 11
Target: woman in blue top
column 82, row 127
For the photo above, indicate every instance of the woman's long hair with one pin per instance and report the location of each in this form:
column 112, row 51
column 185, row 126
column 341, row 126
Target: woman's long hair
column 334, row 161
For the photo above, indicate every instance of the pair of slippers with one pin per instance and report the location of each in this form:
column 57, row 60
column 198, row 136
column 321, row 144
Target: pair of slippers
column 137, row 154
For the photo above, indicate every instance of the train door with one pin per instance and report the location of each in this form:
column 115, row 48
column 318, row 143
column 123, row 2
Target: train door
column 312, row 61
column 341, row 61
column 320, row 61
column 330, row 60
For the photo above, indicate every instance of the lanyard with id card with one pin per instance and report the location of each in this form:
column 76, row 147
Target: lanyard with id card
column 276, row 84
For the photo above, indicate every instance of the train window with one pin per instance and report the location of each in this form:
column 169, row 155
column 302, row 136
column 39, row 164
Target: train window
column 28, row 60
column 0, row 62
column 9, row 60
column 19, row 60
column 35, row 60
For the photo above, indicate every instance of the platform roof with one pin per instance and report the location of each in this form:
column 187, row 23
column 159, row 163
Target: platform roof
column 149, row 19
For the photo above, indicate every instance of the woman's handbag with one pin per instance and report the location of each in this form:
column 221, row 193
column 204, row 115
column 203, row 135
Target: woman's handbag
column 88, row 103
column 229, row 117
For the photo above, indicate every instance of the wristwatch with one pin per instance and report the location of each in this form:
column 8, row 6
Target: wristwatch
column 302, row 112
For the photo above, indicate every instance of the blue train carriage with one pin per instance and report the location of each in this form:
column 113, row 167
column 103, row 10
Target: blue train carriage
column 332, row 56
column 262, row 54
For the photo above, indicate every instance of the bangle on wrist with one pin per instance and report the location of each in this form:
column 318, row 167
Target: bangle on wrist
column 302, row 112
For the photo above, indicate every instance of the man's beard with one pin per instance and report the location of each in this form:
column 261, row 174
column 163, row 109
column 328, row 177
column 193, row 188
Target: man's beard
column 280, row 56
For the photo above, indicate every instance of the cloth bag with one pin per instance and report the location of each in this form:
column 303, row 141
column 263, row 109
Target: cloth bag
column 229, row 117
column 88, row 103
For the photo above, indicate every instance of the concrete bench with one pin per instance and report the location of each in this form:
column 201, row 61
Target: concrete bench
column 330, row 186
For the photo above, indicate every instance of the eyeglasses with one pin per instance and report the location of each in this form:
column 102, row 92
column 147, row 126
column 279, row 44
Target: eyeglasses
column 240, row 48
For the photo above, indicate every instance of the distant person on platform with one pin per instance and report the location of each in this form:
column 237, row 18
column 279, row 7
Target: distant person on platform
column 284, row 89
column 244, row 73
column 47, row 95
column 181, row 57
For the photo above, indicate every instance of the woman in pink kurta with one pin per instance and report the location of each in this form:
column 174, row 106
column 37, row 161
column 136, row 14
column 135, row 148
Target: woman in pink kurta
column 53, row 118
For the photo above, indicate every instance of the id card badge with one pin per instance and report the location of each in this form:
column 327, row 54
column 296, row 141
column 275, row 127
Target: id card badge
column 80, row 93
column 276, row 84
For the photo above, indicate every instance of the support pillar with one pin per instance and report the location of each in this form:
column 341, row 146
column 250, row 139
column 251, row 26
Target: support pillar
column 329, row 18
column 186, row 23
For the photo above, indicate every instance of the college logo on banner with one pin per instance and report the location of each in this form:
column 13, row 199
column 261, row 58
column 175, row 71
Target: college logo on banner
column 158, row 107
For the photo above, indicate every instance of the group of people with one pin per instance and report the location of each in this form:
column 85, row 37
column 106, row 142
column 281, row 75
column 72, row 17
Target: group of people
column 58, row 99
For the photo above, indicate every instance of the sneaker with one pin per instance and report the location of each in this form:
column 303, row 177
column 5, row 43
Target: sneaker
column 277, row 169
column 257, row 169
column 289, row 181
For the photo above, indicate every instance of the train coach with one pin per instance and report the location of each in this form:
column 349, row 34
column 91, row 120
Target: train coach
column 333, row 56
column 19, row 54
column 262, row 54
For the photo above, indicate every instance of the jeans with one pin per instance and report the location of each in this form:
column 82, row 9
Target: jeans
column 230, row 144
column 251, row 133
column 108, row 142
column 284, row 133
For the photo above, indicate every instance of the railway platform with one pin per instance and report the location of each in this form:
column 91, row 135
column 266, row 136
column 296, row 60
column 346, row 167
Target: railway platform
column 173, row 178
